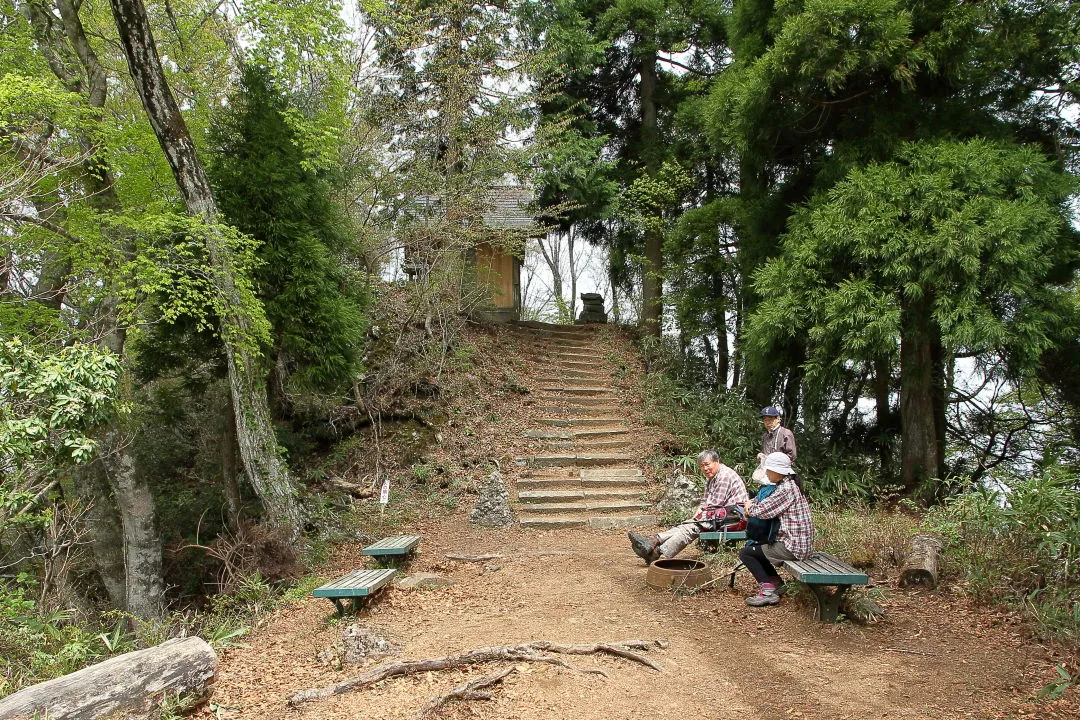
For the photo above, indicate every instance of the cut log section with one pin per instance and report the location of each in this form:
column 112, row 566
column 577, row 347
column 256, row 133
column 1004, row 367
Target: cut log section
column 130, row 685
column 920, row 568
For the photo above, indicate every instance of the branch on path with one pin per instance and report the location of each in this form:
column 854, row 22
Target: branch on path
column 527, row 652
column 468, row 691
column 473, row 558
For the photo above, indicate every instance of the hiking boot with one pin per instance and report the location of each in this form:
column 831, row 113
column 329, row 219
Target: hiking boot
column 762, row 599
column 779, row 586
column 644, row 546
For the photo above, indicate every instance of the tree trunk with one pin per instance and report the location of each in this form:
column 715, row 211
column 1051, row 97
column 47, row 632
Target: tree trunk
column 720, row 323
column 240, row 313
column 228, row 467
column 920, row 567
column 106, row 531
column 130, row 685
column 885, row 424
column 129, row 563
column 652, row 301
column 144, row 590
column 921, row 455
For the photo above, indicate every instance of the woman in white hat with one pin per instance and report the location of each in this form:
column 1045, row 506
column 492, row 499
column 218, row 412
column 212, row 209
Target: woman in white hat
column 795, row 538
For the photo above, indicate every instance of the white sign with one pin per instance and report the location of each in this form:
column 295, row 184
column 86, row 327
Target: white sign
column 384, row 493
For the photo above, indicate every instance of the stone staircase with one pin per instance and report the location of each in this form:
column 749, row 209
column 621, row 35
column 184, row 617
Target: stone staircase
column 583, row 471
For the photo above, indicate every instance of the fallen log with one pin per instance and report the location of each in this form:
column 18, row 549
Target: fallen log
column 920, row 567
column 527, row 652
column 132, row 685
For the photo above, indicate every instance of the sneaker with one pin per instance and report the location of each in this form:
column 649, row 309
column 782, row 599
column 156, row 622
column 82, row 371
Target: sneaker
column 779, row 586
column 644, row 546
column 760, row 600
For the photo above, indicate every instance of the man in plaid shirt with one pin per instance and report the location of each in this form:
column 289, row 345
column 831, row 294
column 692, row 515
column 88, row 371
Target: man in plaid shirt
column 795, row 539
column 724, row 488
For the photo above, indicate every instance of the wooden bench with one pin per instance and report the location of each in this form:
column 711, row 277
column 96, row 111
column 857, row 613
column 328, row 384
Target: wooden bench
column 357, row 586
column 392, row 550
column 716, row 537
column 822, row 571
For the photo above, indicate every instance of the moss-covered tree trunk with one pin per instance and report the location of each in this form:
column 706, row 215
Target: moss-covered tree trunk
column 239, row 312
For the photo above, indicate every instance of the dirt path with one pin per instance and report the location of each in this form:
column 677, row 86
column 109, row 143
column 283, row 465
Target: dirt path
column 930, row 658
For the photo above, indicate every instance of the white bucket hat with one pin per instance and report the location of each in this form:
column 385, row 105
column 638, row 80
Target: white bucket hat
column 778, row 462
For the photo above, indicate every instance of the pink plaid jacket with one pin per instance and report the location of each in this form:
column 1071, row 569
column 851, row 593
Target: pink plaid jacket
column 796, row 525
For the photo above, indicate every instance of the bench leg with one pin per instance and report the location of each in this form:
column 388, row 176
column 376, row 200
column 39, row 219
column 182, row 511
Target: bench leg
column 339, row 606
column 828, row 603
column 731, row 576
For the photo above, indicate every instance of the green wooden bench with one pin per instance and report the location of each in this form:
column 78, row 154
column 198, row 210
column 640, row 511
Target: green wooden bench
column 711, row 538
column 722, row 535
column 823, row 571
column 356, row 586
column 392, row 550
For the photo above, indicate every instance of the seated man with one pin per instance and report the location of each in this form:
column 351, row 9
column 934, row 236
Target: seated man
column 724, row 487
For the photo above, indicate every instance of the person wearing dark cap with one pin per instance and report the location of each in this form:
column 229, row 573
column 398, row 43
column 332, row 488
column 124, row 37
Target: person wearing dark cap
column 776, row 438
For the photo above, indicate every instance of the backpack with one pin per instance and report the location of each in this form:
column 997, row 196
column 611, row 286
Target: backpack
column 729, row 518
column 763, row 530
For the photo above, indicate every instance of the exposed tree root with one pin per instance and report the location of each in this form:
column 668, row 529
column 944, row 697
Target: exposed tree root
column 527, row 652
column 467, row 691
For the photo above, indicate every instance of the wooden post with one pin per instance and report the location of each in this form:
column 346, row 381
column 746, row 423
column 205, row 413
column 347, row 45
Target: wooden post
column 920, row 568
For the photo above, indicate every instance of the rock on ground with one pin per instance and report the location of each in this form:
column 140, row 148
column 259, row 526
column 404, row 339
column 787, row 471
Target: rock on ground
column 492, row 507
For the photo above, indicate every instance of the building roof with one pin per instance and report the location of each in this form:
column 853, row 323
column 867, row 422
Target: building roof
column 508, row 207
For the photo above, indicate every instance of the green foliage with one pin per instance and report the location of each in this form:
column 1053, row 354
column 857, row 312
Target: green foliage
column 264, row 188
column 1017, row 542
column 697, row 417
column 37, row 645
column 51, row 401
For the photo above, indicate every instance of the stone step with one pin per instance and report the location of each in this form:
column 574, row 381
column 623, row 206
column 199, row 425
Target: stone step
column 594, row 433
column 575, row 381
column 581, row 402
column 598, row 375
column 574, row 391
column 573, row 495
column 627, row 484
column 612, row 472
column 578, row 331
column 593, row 358
column 582, row 422
column 586, row 445
column 582, row 365
column 597, row 508
column 574, row 460
column 540, row 522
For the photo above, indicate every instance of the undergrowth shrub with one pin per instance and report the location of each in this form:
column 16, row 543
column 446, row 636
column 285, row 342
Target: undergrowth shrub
column 1017, row 543
column 868, row 537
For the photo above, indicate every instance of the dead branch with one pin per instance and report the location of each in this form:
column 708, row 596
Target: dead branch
column 467, row 691
column 473, row 558
column 527, row 652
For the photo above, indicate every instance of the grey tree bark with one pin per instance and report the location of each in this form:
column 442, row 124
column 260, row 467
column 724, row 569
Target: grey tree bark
column 128, row 686
column 247, row 373
column 129, row 564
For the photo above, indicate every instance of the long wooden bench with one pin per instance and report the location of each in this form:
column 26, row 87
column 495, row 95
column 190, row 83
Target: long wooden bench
column 823, row 571
column 392, row 550
column 356, row 586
